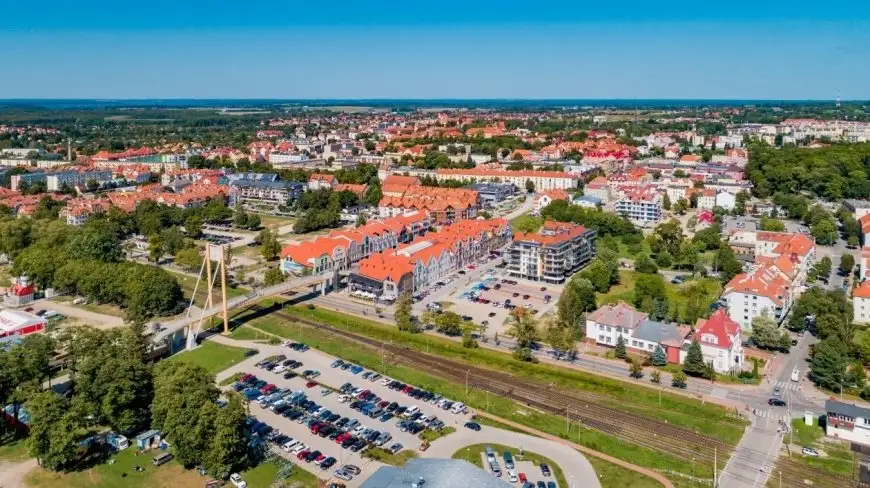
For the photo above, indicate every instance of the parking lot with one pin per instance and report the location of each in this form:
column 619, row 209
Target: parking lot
column 337, row 406
column 489, row 299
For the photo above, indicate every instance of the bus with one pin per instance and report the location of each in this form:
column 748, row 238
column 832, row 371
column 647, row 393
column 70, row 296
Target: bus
column 795, row 375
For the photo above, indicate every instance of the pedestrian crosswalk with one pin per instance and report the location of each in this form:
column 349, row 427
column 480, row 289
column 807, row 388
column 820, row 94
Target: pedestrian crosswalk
column 786, row 386
column 775, row 415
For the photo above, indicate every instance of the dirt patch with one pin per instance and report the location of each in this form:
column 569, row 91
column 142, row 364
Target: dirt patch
column 12, row 474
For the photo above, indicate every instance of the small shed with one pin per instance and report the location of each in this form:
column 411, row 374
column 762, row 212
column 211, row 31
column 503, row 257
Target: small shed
column 148, row 439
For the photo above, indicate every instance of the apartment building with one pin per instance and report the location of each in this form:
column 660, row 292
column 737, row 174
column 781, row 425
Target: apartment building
column 765, row 289
column 547, row 197
column 553, row 254
column 543, row 180
column 642, row 205
column 861, row 303
column 444, row 204
column 267, row 193
column 322, row 181
column 70, row 179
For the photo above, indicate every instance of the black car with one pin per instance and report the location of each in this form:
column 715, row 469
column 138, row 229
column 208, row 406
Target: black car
column 400, row 410
column 341, row 422
column 776, row 402
column 348, row 442
column 392, row 407
column 355, row 404
column 360, row 443
column 335, row 433
column 373, row 436
column 290, row 374
column 251, row 352
column 545, row 469
column 473, row 426
column 312, row 456
column 327, row 463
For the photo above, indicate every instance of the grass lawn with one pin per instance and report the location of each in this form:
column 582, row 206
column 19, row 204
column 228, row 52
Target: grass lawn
column 495, row 423
column 232, row 379
column 249, row 334
column 12, row 449
column 472, row 454
column 264, row 475
column 703, row 417
column 432, row 435
column 527, row 223
column 274, row 220
column 212, row 356
column 625, row 252
column 5, row 278
column 613, row 476
column 102, row 308
column 188, row 283
column 677, row 298
column 120, row 473
column 398, row 459
column 839, row 457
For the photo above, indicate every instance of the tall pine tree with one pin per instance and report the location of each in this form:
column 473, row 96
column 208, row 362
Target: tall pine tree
column 658, row 357
column 694, row 362
column 620, row 351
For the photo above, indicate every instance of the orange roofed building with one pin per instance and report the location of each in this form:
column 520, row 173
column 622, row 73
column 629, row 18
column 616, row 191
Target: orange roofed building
column 553, row 254
column 444, row 204
column 429, row 258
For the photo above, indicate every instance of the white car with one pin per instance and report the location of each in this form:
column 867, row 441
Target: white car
column 343, row 399
column 279, row 369
column 809, row 451
column 359, row 430
column 301, row 447
column 512, row 475
column 288, row 446
column 237, row 481
column 386, row 381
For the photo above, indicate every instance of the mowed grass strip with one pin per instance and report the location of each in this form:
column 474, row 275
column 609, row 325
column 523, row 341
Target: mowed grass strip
column 709, row 419
column 212, row 356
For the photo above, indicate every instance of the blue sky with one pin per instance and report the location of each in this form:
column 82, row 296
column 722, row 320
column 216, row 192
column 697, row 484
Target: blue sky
column 769, row 49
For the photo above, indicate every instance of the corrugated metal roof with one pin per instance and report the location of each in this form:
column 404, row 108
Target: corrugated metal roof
column 437, row 473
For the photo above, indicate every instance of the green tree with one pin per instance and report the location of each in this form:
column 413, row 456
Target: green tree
column 523, row 328
column 576, row 300
column 681, row 206
column 468, row 340
column 658, row 357
column 184, row 408
column 861, row 343
column 273, row 276
column 530, row 186
column 726, row 263
column 824, row 231
column 772, row 225
column 694, row 363
column 656, row 376
column 155, row 248
column 666, row 202
column 620, row 351
column 664, row 259
column 667, row 236
column 635, row 369
column 449, row 323
column 847, row 262
column 643, row 264
column 678, row 379
column 852, row 242
column 240, row 217
column 188, row 259
column 193, row 226
column 53, row 431
column 402, row 314
column 828, row 364
column 95, row 241
column 253, row 222
column 648, row 289
column 270, row 248
column 360, row 220
column 229, row 446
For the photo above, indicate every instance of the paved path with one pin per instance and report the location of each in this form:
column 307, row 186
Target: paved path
column 12, row 474
column 578, row 470
column 99, row 320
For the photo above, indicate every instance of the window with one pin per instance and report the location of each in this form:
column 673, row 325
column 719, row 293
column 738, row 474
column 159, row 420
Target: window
column 649, row 346
column 601, row 338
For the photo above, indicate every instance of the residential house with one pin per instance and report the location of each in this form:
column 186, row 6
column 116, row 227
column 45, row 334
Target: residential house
column 764, row 289
column 861, row 303
column 319, row 181
column 721, row 342
column 847, row 421
column 547, row 197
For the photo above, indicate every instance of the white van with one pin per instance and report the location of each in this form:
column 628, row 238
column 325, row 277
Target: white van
column 795, row 375
column 458, row 408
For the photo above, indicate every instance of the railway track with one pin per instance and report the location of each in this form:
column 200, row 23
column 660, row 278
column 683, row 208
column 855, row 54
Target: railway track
column 590, row 410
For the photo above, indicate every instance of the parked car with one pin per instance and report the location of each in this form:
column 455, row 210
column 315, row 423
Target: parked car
column 545, row 469
column 809, row 451
column 237, row 481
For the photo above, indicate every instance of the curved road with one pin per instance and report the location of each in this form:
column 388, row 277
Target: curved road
column 578, row 470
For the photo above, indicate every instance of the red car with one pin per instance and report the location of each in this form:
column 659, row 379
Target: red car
column 302, row 455
column 246, row 377
column 362, row 394
column 383, row 404
column 267, row 389
column 407, row 389
column 341, row 438
column 311, row 384
column 522, row 477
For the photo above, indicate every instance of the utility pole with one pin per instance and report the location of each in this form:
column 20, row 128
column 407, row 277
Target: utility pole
column 567, row 421
column 715, row 466
column 467, row 371
column 208, row 303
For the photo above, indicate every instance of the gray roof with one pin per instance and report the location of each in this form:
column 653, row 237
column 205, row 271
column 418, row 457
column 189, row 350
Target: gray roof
column 266, row 183
column 847, row 409
column 437, row 473
column 588, row 198
column 652, row 331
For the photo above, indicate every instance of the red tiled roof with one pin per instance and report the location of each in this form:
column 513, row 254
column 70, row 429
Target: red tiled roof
column 720, row 326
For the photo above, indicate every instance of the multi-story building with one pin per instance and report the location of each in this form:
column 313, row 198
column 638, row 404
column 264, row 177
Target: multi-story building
column 553, row 254
column 322, row 181
column 765, row 289
column 847, row 421
column 642, row 205
column 444, row 204
column 24, row 180
column 721, row 342
column 542, row 180
column 59, row 180
column 264, row 194
column 861, row 303
column 492, row 194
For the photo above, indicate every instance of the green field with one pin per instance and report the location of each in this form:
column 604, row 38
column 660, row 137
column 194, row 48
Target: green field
column 836, row 458
column 613, row 476
column 119, row 473
column 398, row 459
column 12, row 450
column 264, row 475
column 527, row 223
column 472, row 454
column 703, row 417
column 212, row 356
column 432, row 435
